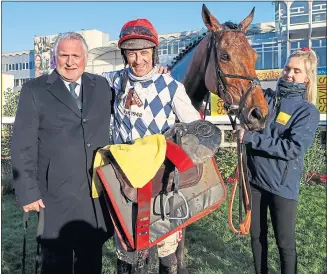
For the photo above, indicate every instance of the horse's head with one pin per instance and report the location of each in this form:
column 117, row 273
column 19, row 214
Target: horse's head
column 230, row 70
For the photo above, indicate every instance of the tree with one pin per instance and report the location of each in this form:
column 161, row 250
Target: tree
column 11, row 102
column 9, row 109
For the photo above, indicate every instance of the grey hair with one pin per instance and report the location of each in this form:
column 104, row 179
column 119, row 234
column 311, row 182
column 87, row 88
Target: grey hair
column 70, row 36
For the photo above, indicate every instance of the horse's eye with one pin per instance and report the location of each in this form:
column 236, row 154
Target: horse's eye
column 224, row 57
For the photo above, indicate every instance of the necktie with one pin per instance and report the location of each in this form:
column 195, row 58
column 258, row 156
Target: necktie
column 72, row 87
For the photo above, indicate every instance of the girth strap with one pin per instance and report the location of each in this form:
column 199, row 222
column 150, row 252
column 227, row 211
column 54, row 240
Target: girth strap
column 142, row 229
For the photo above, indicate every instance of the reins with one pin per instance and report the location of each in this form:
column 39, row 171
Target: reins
column 245, row 198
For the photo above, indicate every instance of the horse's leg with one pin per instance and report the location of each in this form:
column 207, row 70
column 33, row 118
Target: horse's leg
column 180, row 255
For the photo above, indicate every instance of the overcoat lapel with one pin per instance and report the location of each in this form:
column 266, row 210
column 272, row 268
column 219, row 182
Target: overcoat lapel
column 88, row 85
column 60, row 91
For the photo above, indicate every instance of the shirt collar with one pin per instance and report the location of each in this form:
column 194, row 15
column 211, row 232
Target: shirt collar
column 79, row 81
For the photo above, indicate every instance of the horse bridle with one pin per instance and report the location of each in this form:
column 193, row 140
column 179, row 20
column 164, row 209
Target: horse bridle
column 221, row 83
column 244, row 186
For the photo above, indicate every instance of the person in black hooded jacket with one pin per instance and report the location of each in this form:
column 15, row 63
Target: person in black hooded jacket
column 275, row 158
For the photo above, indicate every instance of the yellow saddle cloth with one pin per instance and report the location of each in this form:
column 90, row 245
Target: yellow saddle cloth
column 139, row 161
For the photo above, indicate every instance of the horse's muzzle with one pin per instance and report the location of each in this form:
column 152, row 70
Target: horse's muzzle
column 255, row 120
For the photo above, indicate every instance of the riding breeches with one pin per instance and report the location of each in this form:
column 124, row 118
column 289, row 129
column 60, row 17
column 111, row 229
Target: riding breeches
column 165, row 247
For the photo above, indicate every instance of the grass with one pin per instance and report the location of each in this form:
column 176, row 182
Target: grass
column 211, row 247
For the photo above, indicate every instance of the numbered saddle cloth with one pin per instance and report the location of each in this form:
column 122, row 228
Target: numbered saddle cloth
column 186, row 187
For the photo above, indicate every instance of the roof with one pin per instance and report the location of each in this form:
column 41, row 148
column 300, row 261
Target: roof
column 96, row 53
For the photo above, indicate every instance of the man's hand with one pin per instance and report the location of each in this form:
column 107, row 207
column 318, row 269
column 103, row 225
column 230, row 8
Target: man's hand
column 34, row 206
column 162, row 70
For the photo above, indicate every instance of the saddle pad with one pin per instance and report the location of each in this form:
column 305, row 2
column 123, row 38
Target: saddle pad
column 165, row 173
column 202, row 198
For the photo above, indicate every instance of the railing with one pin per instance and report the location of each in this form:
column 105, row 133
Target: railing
column 7, row 124
column 222, row 123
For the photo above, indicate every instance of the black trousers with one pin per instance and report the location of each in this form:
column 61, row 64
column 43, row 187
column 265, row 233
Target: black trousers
column 84, row 258
column 283, row 216
column 77, row 250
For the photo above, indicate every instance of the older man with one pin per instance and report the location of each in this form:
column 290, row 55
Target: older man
column 62, row 119
column 146, row 103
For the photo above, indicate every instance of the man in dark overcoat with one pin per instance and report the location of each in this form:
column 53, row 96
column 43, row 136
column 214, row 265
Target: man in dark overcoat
column 62, row 119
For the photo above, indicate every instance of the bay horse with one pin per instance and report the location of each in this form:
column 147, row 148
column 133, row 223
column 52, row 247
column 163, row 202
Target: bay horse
column 222, row 62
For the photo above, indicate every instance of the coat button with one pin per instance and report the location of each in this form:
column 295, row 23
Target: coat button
column 84, row 120
column 88, row 144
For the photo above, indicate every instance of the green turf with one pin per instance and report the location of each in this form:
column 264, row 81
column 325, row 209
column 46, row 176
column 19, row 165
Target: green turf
column 211, row 247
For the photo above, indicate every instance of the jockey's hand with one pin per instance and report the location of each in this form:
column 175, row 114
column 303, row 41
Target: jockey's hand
column 239, row 132
column 34, row 206
column 162, row 70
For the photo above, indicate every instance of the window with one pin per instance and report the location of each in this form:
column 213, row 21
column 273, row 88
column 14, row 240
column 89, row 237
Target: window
column 16, row 84
column 321, row 52
column 23, row 65
column 304, row 43
column 299, row 12
column 7, row 67
column 17, row 66
column 319, row 46
column 284, row 54
column 281, row 13
column 258, row 65
column 267, row 60
column 319, row 11
column 315, row 43
column 26, row 65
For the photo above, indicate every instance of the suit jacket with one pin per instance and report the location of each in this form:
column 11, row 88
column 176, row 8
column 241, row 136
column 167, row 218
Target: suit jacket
column 53, row 146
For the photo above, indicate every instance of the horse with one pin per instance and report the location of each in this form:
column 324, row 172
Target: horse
column 222, row 62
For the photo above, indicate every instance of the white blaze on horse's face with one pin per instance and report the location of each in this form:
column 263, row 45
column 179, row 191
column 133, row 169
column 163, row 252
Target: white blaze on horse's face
column 140, row 61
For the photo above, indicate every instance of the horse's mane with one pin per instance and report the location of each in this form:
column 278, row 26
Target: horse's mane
column 187, row 49
column 227, row 25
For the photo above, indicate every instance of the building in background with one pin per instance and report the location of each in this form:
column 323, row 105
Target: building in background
column 20, row 65
column 297, row 24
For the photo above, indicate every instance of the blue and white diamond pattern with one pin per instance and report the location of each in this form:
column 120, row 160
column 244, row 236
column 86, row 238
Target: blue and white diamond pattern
column 157, row 113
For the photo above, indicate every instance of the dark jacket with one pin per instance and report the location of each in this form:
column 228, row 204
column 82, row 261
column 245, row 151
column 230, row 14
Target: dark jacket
column 53, row 147
column 276, row 155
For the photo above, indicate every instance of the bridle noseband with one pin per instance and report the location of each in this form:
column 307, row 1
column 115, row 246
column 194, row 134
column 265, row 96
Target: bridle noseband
column 221, row 83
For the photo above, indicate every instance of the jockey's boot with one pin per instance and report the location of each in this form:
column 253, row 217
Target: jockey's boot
column 168, row 264
column 123, row 267
column 141, row 267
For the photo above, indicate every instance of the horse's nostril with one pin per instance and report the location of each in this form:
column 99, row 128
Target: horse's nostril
column 255, row 114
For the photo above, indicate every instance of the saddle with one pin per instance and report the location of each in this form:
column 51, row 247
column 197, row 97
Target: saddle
column 188, row 184
column 163, row 177
column 200, row 140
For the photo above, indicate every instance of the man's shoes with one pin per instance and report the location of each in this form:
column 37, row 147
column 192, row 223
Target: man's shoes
column 123, row 267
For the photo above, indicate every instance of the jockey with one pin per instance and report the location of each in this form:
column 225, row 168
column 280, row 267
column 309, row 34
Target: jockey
column 145, row 103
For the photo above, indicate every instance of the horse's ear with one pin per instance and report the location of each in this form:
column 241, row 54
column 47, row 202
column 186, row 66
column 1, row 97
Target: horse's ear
column 244, row 25
column 209, row 20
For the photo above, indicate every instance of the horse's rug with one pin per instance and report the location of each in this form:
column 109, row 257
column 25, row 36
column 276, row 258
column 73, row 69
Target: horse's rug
column 186, row 185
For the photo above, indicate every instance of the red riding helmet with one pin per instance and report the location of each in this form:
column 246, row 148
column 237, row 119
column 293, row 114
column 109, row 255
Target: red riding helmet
column 138, row 29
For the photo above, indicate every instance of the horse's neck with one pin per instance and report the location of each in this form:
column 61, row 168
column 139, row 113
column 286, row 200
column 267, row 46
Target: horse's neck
column 194, row 81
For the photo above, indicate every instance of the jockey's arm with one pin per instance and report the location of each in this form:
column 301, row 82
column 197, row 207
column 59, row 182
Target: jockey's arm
column 109, row 76
column 182, row 106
